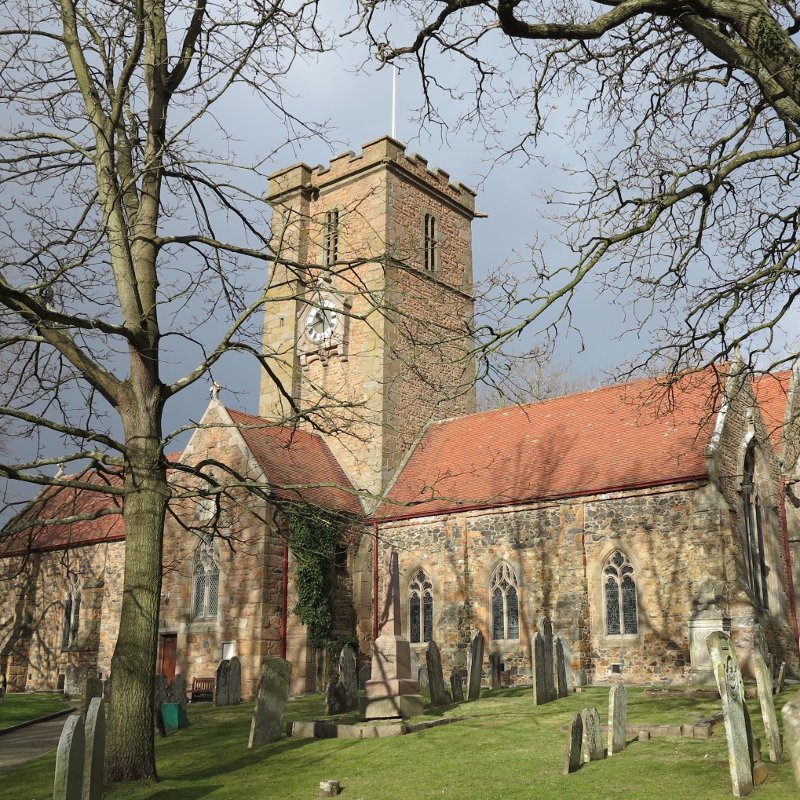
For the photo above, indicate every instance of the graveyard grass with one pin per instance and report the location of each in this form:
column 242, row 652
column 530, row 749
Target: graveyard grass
column 19, row 708
column 503, row 747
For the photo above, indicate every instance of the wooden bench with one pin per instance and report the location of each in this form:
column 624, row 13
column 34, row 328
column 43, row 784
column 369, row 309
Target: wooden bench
column 202, row 689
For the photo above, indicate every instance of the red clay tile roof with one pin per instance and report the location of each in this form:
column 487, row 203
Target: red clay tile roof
column 27, row 534
column 298, row 464
column 612, row 438
column 772, row 392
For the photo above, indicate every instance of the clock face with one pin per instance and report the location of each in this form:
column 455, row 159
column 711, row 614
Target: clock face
column 321, row 321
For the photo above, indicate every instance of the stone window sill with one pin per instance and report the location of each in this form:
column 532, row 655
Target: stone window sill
column 620, row 640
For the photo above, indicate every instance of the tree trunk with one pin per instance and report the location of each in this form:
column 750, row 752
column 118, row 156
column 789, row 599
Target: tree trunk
column 130, row 749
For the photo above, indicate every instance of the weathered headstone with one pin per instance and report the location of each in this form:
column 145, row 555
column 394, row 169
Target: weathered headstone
column 572, row 759
column 423, row 679
column 2, row 688
column 617, row 718
column 273, row 692
column 495, row 670
column 92, row 687
column 790, row 714
column 348, row 678
column 546, row 629
column 364, row 675
column 593, row 749
column 223, row 683
column 68, row 782
column 439, row 695
column 414, row 663
column 540, row 692
column 457, row 677
column 780, row 678
column 560, row 669
column 95, row 739
column 737, row 727
column 334, row 698
column 74, row 678
column 235, row 686
column 393, row 689
column 475, row 666
column 764, row 687
column 177, row 691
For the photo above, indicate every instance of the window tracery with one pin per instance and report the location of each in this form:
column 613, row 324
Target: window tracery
column 205, row 580
column 619, row 587
column 505, row 602
column 420, row 608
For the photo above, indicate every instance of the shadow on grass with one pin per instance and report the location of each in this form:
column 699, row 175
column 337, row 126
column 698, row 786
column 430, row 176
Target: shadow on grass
column 189, row 793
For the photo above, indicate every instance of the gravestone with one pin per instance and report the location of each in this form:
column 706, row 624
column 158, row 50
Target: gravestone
column 235, row 686
column 74, row 678
column 572, row 759
column 223, row 683
column 177, row 691
column 68, row 781
column 780, row 678
column 423, row 680
column 95, row 739
column 160, row 696
column 270, row 706
column 334, row 698
column 540, row 693
column 617, row 718
column 790, row 714
column 364, row 675
column 737, row 723
column 546, row 629
column 592, row 736
column 2, row 688
column 393, row 689
column 415, row 665
column 475, row 667
column 93, row 687
column 560, row 669
column 174, row 717
column 439, row 695
column 457, row 677
column 495, row 671
column 764, row 687
column 348, row 678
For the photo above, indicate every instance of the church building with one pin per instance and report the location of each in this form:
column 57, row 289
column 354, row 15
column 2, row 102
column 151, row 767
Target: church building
column 638, row 518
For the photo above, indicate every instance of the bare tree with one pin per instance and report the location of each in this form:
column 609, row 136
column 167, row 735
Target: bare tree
column 689, row 211
column 124, row 246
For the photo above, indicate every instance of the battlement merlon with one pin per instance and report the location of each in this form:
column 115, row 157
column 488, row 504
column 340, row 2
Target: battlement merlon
column 383, row 152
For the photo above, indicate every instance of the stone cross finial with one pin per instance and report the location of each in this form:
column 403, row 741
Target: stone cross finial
column 390, row 624
column 214, row 390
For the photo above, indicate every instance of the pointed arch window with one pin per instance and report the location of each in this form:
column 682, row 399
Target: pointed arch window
column 205, row 579
column 753, row 531
column 72, row 613
column 420, row 608
column 619, row 587
column 330, row 245
column 505, row 602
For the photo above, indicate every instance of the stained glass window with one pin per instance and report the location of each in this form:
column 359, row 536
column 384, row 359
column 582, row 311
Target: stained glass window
column 620, row 595
column 205, row 599
column 420, row 600
column 505, row 603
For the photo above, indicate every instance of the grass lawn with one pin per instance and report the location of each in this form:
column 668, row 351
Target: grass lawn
column 504, row 748
column 22, row 707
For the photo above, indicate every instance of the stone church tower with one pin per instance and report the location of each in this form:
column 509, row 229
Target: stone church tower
column 369, row 305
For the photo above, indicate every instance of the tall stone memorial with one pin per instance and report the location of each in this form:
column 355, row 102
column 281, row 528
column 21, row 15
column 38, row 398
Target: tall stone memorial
column 764, row 685
column 68, row 781
column 391, row 692
column 572, row 757
column 791, row 728
column 95, row 739
column 235, row 684
column 475, row 666
column 592, row 736
column 617, row 718
column 273, row 693
column 737, row 723
column 540, row 690
column 546, row 629
column 222, row 683
column 560, row 669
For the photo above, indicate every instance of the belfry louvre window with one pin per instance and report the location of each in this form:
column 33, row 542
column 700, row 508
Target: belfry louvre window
column 430, row 254
column 420, row 608
column 619, row 587
column 505, row 603
column 205, row 580
column 331, row 242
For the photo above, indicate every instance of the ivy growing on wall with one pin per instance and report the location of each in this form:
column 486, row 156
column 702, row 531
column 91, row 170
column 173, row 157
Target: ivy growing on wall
column 312, row 539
